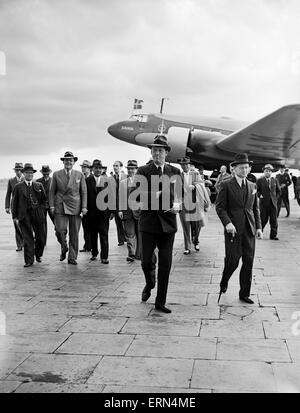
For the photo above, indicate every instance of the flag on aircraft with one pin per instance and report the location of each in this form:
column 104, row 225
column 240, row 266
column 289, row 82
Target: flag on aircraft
column 137, row 104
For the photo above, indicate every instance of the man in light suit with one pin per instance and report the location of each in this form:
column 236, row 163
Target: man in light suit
column 130, row 217
column 158, row 219
column 268, row 191
column 12, row 182
column 68, row 199
column 238, row 209
column 189, row 226
column 28, row 210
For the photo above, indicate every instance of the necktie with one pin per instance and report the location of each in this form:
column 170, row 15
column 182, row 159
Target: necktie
column 244, row 189
column 68, row 176
column 269, row 183
column 159, row 170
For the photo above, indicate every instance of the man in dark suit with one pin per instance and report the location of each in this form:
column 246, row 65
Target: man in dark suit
column 87, row 246
column 284, row 181
column 68, row 199
column 128, row 216
column 46, row 182
column 12, row 182
column 268, row 191
column 98, row 219
column 118, row 176
column 158, row 218
column 238, row 209
column 28, row 210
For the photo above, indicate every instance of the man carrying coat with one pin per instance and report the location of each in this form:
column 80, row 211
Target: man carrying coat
column 268, row 191
column 238, row 209
column 68, row 199
column 28, row 210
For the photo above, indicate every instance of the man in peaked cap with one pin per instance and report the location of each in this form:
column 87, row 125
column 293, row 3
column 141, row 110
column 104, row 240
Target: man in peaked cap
column 238, row 209
column 68, row 199
column 45, row 180
column 268, row 191
column 158, row 222
column 284, row 181
column 12, row 182
column 28, row 210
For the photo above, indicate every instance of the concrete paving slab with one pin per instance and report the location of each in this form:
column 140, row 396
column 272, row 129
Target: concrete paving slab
column 32, row 343
column 102, row 344
column 280, row 329
column 9, row 386
column 287, row 377
column 143, row 371
column 162, row 326
column 56, row 368
column 10, row 361
column 173, row 347
column 149, row 390
column 253, row 350
column 94, row 325
column 233, row 375
column 36, row 387
column 231, row 328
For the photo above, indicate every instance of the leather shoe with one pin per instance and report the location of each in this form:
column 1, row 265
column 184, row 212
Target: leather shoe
column 38, row 259
column 274, row 238
column 120, row 243
column 146, row 293
column 71, row 261
column 104, row 261
column 93, row 258
column 247, row 300
column 130, row 259
column 63, row 254
column 28, row 264
column 187, row 252
column 19, row 249
column 197, row 248
column 162, row 308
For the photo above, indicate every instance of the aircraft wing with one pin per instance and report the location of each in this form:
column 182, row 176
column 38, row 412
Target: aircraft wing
column 276, row 135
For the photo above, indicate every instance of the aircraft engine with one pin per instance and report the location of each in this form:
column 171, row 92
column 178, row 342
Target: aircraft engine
column 201, row 140
column 177, row 139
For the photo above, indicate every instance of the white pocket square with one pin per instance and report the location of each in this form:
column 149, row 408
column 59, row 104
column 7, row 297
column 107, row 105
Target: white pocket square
column 254, row 191
column 78, row 181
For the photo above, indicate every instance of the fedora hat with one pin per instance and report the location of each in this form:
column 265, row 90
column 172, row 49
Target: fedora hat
column 28, row 167
column 45, row 169
column 268, row 166
column 18, row 165
column 86, row 163
column 241, row 158
column 184, row 160
column 97, row 162
column 69, row 155
column 132, row 163
column 160, row 141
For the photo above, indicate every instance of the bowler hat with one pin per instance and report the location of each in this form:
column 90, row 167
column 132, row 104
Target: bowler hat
column 241, row 158
column 28, row 167
column 160, row 141
column 132, row 163
column 184, row 160
column 86, row 163
column 45, row 169
column 18, row 165
column 268, row 166
column 97, row 162
column 69, row 155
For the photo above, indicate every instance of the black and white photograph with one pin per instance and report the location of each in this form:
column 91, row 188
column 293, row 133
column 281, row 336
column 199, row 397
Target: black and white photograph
column 150, row 199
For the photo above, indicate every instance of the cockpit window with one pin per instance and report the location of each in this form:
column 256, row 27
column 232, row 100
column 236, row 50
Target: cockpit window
column 140, row 118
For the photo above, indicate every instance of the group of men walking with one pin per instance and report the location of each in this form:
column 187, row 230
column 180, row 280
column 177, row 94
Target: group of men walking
column 71, row 197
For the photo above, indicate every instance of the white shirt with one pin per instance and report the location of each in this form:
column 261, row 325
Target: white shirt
column 162, row 167
column 97, row 179
column 240, row 180
column 28, row 183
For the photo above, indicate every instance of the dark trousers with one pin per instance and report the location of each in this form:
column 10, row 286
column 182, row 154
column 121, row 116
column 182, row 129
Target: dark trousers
column 62, row 222
column 269, row 213
column 99, row 226
column 241, row 246
column 86, row 234
column 18, row 234
column 283, row 197
column 34, row 236
column 164, row 243
column 120, row 229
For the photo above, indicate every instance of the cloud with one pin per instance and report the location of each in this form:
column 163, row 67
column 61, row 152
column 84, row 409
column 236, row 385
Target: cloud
column 74, row 67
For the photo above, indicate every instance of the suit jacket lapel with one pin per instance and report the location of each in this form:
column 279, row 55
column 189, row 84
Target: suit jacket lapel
column 237, row 190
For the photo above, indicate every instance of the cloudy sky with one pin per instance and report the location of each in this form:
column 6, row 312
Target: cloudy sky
column 73, row 67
